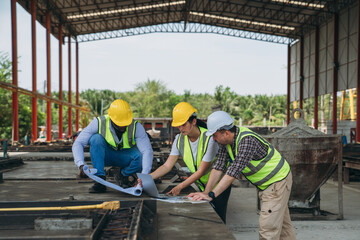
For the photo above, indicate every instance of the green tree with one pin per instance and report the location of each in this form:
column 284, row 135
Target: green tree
column 152, row 99
column 24, row 111
column 5, row 97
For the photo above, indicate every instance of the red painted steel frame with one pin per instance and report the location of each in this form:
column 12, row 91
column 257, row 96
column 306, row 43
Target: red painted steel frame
column 301, row 72
column 69, row 96
column 60, row 84
column 48, row 65
column 316, row 97
column 335, row 72
column 15, row 102
column 77, row 87
column 358, row 81
column 34, row 87
column 288, row 85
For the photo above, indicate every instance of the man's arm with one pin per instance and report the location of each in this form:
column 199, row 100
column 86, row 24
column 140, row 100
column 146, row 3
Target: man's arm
column 224, row 183
column 218, row 168
column 215, row 176
column 144, row 146
column 82, row 141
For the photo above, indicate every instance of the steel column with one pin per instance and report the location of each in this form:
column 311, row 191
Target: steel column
column 335, row 72
column 69, row 96
column 77, row 87
column 34, row 87
column 60, row 84
column 15, row 96
column 301, row 72
column 48, row 78
column 288, row 85
column 316, row 97
column 357, row 135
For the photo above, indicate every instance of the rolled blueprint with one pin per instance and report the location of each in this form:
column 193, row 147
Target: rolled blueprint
column 136, row 191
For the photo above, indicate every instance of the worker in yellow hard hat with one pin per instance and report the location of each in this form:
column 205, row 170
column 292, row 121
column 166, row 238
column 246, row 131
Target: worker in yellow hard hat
column 115, row 139
column 197, row 150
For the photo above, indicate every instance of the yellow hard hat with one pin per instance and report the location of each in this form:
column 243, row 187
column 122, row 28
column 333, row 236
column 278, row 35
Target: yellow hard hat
column 181, row 113
column 120, row 113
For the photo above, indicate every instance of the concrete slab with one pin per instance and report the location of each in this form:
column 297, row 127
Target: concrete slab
column 48, row 156
column 56, row 180
column 32, row 170
column 190, row 221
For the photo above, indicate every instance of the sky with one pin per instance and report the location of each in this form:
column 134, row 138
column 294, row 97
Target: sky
column 182, row 61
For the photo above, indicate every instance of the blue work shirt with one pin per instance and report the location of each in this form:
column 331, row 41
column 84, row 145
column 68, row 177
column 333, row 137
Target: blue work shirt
column 141, row 138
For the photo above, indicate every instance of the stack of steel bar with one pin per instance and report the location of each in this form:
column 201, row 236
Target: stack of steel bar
column 119, row 224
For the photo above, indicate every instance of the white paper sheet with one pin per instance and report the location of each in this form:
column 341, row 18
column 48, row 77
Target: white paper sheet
column 181, row 199
column 136, row 191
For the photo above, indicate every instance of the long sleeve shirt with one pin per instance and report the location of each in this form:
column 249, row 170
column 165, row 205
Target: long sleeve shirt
column 250, row 148
column 141, row 139
column 208, row 156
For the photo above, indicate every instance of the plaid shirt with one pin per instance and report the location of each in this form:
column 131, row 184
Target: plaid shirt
column 250, row 148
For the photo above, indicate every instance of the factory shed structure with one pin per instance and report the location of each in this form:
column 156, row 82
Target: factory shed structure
column 322, row 38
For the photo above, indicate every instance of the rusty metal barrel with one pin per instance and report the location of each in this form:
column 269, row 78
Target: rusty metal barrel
column 312, row 155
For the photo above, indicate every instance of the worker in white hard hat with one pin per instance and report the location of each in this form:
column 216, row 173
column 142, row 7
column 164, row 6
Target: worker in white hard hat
column 245, row 152
column 118, row 140
column 198, row 152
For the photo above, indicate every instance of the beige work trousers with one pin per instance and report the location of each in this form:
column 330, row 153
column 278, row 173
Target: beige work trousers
column 274, row 221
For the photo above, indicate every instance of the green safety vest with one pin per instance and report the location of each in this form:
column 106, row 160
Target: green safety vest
column 128, row 137
column 183, row 145
column 264, row 172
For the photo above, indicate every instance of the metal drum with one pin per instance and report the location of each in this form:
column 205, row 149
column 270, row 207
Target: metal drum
column 312, row 155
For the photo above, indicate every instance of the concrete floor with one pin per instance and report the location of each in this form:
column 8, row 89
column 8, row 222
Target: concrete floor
column 56, row 180
column 242, row 217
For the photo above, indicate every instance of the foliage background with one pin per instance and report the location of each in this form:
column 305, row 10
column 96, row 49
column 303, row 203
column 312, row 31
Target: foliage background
column 152, row 99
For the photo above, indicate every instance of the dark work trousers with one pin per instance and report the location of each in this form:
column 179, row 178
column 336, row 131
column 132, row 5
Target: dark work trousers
column 220, row 203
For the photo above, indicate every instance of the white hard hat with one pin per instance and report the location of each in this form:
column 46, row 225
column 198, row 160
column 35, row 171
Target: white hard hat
column 219, row 120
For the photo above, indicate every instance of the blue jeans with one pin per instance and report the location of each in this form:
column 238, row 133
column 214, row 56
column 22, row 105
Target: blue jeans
column 102, row 154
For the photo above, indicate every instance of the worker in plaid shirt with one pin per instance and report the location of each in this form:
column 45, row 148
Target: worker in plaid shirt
column 242, row 151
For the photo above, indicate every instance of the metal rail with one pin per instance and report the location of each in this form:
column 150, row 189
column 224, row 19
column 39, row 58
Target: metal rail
column 24, row 91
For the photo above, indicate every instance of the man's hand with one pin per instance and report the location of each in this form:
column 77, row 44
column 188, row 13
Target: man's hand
column 139, row 182
column 198, row 196
column 82, row 174
column 175, row 191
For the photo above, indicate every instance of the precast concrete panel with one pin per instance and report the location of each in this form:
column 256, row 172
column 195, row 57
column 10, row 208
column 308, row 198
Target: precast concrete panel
column 343, row 49
column 322, row 58
column 312, row 86
column 348, row 21
column 325, row 57
column 306, row 70
column 352, row 47
column 312, row 65
column 312, row 53
column 329, row 85
column 353, row 40
column 330, row 56
column 294, row 90
column 295, row 71
column 347, row 57
column 352, row 74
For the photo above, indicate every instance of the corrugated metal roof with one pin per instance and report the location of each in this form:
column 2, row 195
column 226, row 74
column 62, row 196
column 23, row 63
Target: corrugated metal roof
column 270, row 20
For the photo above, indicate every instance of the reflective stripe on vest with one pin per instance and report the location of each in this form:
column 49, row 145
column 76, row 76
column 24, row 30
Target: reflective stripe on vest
column 128, row 137
column 262, row 173
column 183, row 145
